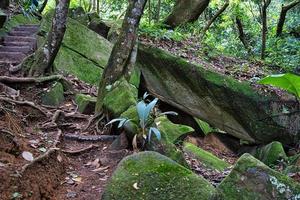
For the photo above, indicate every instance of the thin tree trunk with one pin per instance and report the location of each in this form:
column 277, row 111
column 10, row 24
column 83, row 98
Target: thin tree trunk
column 242, row 35
column 98, row 7
column 186, row 11
column 117, row 66
column 158, row 11
column 4, row 4
column 149, row 9
column 43, row 6
column 284, row 10
column 45, row 56
column 265, row 5
column 211, row 21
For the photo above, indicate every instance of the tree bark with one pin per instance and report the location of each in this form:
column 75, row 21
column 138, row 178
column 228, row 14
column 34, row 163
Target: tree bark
column 284, row 10
column 242, row 35
column 45, row 56
column 186, row 11
column 211, row 21
column 265, row 5
column 4, row 4
column 117, row 66
column 158, row 7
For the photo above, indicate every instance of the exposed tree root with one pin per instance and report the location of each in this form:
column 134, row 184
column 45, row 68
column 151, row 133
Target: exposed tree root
column 80, row 151
column 26, row 103
column 8, row 90
column 90, row 138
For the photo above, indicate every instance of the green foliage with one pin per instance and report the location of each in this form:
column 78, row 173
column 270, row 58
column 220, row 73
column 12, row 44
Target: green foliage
column 289, row 82
column 158, row 31
column 147, row 115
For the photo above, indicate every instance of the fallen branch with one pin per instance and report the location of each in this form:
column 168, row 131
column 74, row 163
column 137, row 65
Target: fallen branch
column 76, row 152
column 13, row 80
column 46, row 155
column 26, row 103
column 90, row 138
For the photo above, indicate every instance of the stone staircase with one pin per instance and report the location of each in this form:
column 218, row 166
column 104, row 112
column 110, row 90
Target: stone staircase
column 17, row 44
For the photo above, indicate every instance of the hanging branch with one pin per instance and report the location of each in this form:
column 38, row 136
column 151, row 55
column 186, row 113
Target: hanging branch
column 213, row 19
column 284, row 10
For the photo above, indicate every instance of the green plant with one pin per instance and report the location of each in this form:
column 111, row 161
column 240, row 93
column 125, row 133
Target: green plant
column 146, row 115
column 289, row 82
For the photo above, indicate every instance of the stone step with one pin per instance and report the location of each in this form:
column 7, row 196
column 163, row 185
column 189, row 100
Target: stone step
column 12, row 57
column 19, row 39
column 21, row 49
column 20, row 44
column 26, row 28
column 20, row 33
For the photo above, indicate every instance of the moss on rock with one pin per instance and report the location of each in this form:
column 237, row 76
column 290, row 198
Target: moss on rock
column 270, row 153
column 252, row 179
column 149, row 175
column 54, row 96
column 121, row 96
column 206, row 158
column 86, row 103
column 73, row 63
column 170, row 131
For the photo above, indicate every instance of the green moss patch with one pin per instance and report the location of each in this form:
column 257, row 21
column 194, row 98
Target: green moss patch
column 122, row 96
column 206, row 158
column 86, row 104
column 71, row 62
column 149, row 176
column 270, row 153
column 170, row 131
column 252, row 179
column 54, row 96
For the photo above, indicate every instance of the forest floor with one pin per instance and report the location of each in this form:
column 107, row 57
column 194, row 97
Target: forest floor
column 39, row 144
column 50, row 153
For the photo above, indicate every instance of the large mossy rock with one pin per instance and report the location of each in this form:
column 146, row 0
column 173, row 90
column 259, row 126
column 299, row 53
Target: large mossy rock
column 54, row 96
column 270, row 154
column 86, row 103
column 251, row 179
column 83, row 53
column 121, row 96
column 223, row 102
column 149, row 176
column 206, row 158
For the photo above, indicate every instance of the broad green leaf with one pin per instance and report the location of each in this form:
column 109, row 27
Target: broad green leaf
column 289, row 82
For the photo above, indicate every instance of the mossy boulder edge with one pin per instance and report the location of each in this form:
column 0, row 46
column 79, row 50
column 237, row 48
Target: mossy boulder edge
column 150, row 175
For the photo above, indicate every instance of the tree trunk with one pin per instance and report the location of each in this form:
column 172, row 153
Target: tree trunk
column 4, row 4
column 211, row 21
column 242, row 35
column 98, row 7
column 118, row 65
column 186, row 11
column 265, row 5
column 284, row 10
column 157, row 17
column 45, row 56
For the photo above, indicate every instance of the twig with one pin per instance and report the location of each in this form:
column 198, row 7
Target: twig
column 90, row 147
column 26, row 103
column 92, row 119
column 91, row 138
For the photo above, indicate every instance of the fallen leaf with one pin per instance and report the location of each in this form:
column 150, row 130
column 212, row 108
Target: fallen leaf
column 42, row 149
column 135, row 186
column 77, row 179
column 27, row 156
column 59, row 158
column 100, row 169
